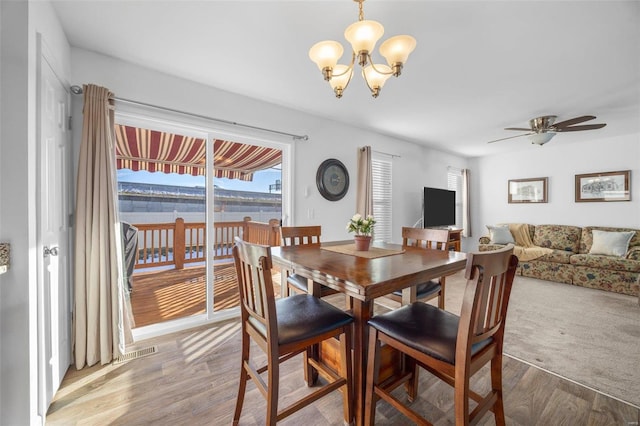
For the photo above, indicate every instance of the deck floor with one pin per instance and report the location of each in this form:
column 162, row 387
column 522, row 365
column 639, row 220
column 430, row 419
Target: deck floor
column 171, row 294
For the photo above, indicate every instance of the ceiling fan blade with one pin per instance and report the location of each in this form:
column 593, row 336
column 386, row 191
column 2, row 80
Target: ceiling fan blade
column 518, row 128
column 578, row 128
column 511, row 137
column 573, row 121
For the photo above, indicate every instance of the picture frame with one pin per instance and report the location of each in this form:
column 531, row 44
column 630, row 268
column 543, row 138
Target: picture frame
column 605, row 186
column 532, row 190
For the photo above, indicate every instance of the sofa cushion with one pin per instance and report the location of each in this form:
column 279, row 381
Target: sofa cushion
column 500, row 234
column 610, row 243
column 490, row 247
column 605, row 262
column 634, row 253
column 556, row 256
column 562, row 273
column 559, row 237
column 587, row 236
column 604, row 279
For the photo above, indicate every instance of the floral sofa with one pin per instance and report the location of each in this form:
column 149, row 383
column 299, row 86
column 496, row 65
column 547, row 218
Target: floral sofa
column 570, row 261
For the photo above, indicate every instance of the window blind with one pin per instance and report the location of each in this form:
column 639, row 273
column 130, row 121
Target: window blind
column 382, row 198
column 454, row 183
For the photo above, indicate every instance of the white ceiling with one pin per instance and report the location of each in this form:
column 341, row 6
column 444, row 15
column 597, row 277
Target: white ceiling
column 479, row 66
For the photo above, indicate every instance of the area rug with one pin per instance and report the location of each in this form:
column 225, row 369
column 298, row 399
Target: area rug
column 591, row 337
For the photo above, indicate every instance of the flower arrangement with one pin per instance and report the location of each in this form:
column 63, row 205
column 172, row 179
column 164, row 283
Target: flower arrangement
column 360, row 225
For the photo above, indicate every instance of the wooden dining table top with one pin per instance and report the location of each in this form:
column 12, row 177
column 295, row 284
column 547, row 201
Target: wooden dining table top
column 364, row 278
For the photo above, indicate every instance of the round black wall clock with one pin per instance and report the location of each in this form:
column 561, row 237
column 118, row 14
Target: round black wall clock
column 332, row 179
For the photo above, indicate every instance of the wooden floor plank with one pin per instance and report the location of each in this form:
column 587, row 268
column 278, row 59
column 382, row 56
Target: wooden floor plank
column 193, row 380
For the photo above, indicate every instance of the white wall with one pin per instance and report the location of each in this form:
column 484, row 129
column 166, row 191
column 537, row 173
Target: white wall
column 21, row 21
column 560, row 163
column 416, row 166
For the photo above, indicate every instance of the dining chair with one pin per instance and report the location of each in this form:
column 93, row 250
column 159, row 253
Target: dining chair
column 302, row 235
column 427, row 239
column 451, row 347
column 284, row 328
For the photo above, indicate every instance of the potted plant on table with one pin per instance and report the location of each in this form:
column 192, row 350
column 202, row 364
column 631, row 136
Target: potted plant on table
column 363, row 229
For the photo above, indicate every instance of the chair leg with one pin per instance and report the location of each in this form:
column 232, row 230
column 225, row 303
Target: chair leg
column 441, row 295
column 412, row 384
column 346, row 372
column 348, row 302
column 273, row 375
column 496, row 385
column 243, row 378
column 310, row 373
column 461, row 398
column 373, row 367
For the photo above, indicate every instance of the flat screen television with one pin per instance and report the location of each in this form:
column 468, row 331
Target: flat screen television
column 439, row 207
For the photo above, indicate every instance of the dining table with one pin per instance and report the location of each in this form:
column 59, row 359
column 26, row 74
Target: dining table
column 365, row 276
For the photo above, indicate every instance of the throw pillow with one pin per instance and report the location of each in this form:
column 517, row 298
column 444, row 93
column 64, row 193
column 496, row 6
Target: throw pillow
column 500, row 234
column 611, row 243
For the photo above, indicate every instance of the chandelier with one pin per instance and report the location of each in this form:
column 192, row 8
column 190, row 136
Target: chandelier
column 363, row 36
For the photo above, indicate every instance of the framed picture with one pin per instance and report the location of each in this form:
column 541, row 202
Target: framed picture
column 609, row 186
column 532, row 190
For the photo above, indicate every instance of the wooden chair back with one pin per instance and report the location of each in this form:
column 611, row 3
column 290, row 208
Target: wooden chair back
column 260, row 323
column 486, row 298
column 299, row 235
column 425, row 238
column 479, row 341
column 257, row 299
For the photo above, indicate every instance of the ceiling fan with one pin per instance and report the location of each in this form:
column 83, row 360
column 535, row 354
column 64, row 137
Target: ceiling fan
column 542, row 129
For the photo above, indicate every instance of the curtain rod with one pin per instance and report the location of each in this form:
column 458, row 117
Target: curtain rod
column 386, row 153
column 77, row 90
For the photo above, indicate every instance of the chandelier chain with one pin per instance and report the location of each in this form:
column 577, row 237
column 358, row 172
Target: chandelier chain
column 360, row 11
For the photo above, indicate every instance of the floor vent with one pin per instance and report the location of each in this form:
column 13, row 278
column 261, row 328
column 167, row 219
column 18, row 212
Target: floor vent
column 136, row 354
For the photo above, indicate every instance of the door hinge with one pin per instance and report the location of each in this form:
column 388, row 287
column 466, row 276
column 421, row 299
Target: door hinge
column 70, row 122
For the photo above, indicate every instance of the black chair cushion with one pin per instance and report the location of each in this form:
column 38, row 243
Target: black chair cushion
column 303, row 316
column 424, row 289
column 425, row 328
column 301, row 283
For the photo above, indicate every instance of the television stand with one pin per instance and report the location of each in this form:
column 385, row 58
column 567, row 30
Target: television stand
column 455, row 237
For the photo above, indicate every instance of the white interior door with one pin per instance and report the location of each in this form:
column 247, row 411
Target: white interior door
column 54, row 307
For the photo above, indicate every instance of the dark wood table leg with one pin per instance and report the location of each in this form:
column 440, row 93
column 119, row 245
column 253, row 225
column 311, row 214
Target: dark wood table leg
column 362, row 311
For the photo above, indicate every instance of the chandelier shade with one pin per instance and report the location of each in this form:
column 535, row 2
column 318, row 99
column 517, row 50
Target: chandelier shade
column 363, row 36
column 376, row 75
column 397, row 49
column 326, row 54
column 341, row 78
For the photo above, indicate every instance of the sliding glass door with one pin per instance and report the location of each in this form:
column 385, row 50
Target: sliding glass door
column 184, row 193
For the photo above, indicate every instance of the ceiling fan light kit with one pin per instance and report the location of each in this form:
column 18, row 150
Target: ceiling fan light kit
column 541, row 138
column 363, row 36
column 543, row 129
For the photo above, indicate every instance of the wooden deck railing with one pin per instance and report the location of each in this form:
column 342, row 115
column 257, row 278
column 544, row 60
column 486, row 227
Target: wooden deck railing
column 177, row 243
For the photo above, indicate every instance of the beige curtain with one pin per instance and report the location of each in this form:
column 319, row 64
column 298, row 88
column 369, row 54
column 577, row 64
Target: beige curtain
column 466, row 203
column 100, row 314
column 364, row 189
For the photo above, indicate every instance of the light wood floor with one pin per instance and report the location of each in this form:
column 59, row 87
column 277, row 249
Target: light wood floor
column 193, row 379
